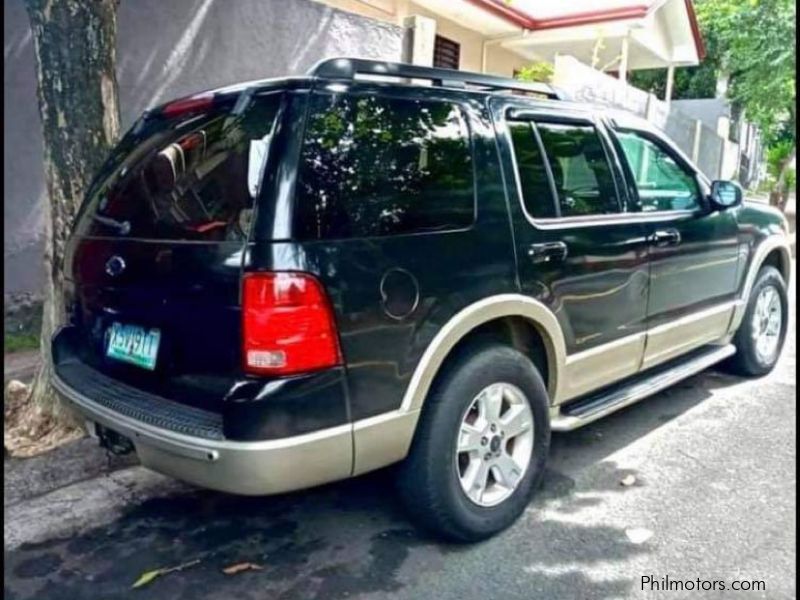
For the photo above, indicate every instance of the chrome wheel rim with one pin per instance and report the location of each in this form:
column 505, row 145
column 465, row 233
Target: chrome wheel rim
column 494, row 444
column 767, row 324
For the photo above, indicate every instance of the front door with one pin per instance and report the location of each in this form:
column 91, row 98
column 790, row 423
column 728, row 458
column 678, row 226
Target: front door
column 693, row 250
column 578, row 251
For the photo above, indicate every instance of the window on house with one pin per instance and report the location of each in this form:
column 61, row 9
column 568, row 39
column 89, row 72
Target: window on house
column 446, row 53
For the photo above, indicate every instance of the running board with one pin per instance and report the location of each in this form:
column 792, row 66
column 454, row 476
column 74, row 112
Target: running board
column 582, row 412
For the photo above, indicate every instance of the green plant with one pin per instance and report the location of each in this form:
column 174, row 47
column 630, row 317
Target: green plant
column 17, row 342
column 776, row 155
column 538, row 71
column 791, row 178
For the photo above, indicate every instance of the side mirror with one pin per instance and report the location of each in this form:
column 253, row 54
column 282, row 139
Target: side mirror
column 726, row 194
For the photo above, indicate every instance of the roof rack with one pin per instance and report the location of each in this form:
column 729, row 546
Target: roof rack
column 348, row 68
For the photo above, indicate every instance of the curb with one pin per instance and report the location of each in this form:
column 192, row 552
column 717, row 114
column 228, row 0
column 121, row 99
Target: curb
column 82, row 506
column 20, row 365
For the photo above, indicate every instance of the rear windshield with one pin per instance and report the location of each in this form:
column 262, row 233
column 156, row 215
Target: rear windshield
column 185, row 178
column 374, row 166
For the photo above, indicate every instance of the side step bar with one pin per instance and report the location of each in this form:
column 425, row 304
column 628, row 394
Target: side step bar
column 582, row 412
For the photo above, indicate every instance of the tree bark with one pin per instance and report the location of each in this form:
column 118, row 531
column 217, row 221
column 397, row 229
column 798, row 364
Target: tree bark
column 75, row 50
column 779, row 196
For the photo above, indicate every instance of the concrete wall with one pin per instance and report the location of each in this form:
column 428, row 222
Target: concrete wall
column 707, row 110
column 710, row 152
column 164, row 50
column 585, row 84
column 696, row 126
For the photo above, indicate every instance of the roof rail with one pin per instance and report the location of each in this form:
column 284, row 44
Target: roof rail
column 348, row 68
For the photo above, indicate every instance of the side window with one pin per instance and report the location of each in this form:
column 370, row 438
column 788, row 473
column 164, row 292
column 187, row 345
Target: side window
column 581, row 173
column 537, row 195
column 661, row 182
column 373, row 166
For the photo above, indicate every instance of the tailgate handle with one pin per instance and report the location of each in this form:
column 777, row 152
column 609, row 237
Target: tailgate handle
column 547, row 252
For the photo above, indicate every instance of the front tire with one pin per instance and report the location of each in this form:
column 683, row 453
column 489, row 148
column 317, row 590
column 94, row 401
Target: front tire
column 480, row 447
column 759, row 339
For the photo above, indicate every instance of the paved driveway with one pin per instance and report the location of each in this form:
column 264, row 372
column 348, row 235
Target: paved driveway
column 713, row 498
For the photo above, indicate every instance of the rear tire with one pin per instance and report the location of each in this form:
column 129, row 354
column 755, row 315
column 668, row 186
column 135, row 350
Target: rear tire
column 759, row 339
column 464, row 441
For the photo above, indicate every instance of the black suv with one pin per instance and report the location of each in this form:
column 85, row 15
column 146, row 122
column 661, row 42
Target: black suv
column 294, row 281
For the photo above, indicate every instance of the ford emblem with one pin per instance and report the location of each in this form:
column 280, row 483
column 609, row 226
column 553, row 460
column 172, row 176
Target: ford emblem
column 115, row 266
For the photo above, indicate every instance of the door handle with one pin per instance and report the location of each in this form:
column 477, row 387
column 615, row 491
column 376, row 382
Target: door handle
column 666, row 237
column 547, row 252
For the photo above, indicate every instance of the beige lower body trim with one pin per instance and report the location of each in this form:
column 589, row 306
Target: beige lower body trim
column 687, row 333
column 382, row 440
column 306, row 463
column 739, row 308
column 248, row 468
column 594, row 368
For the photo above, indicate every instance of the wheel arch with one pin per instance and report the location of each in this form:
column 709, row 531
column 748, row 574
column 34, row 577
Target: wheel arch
column 780, row 258
column 385, row 439
column 473, row 319
column 774, row 251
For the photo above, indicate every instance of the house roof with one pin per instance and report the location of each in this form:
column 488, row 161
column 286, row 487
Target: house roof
column 535, row 15
column 656, row 33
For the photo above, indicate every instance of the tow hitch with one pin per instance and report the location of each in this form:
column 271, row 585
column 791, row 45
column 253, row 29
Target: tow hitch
column 113, row 441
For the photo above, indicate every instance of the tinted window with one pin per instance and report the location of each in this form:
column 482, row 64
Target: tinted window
column 661, row 182
column 537, row 195
column 581, row 172
column 188, row 178
column 375, row 166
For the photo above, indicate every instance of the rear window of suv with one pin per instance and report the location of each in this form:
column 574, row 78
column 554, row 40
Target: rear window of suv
column 376, row 166
column 188, row 177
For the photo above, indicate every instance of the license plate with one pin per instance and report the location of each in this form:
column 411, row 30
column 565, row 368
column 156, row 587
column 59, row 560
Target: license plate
column 133, row 344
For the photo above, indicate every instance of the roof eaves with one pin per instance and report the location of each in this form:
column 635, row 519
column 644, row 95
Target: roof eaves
column 637, row 11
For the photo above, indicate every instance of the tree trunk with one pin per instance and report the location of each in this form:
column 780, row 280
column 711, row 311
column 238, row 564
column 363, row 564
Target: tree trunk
column 75, row 49
column 779, row 195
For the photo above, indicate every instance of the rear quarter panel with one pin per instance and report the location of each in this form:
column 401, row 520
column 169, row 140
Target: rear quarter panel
column 391, row 295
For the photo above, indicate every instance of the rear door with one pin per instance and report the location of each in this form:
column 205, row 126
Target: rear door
column 694, row 250
column 154, row 264
column 386, row 217
column 578, row 250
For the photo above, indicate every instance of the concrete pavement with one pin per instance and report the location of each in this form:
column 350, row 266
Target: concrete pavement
column 713, row 498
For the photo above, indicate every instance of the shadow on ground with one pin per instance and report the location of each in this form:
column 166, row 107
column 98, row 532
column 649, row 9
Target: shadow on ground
column 351, row 539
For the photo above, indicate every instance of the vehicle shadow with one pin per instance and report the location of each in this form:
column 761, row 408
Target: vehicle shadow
column 351, row 539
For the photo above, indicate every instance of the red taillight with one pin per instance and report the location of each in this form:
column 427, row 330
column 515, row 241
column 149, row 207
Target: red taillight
column 287, row 324
column 188, row 105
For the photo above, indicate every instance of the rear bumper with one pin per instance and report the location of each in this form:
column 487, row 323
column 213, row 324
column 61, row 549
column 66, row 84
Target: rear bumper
column 249, row 468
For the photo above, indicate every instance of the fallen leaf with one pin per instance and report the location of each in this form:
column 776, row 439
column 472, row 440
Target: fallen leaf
column 638, row 535
column 628, row 480
column 149, row 576
column 242, row 566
